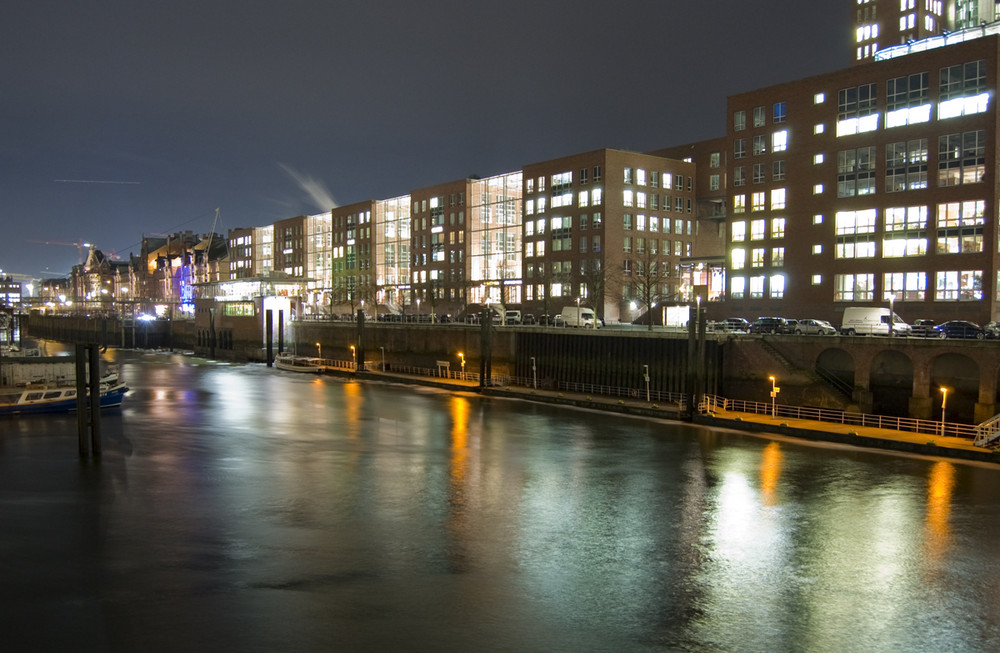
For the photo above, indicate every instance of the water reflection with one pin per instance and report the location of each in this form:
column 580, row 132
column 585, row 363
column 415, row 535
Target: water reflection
column 291, row 512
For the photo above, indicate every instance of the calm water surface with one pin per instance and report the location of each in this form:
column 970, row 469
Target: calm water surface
column 258, row 510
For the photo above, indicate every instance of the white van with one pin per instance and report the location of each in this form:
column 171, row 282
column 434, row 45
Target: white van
column 580, row 316
column 872, row 320
column 512, row 317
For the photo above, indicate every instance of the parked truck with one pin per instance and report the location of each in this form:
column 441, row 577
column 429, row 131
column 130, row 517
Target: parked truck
column 580, row 316
column 872, row 320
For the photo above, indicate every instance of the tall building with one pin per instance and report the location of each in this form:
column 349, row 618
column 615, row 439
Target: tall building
column 870, row 185
column 609, row 228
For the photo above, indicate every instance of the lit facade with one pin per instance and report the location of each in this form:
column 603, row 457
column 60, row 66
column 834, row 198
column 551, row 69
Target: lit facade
column 866, row 185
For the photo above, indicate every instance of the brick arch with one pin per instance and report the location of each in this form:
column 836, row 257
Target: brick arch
column 960, row 373
column 890, row 380
column 837, row 362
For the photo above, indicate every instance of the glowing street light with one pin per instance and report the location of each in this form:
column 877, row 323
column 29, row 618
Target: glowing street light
column 462, row 356
column 319, row 350
column 354, row 357
column 944, row 402
column 774, row 393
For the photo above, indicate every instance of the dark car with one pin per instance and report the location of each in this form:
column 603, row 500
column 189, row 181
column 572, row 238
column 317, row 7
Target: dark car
column 790, row 325
column 922, row 328
column 768, row 325
column 959, row 329
column 733, row 325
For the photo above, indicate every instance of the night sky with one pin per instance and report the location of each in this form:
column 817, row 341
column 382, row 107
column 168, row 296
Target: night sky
column 124, row 118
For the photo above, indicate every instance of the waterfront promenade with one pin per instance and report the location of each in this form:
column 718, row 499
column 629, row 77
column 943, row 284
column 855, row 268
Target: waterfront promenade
column 850, row 434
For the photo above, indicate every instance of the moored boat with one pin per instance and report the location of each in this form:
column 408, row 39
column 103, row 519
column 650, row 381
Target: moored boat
column 293, row 363
column 57, row 398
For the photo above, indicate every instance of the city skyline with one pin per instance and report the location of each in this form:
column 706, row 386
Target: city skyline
column 136, row 120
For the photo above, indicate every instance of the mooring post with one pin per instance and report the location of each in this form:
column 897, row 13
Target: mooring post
column 95, row 399
column 268, row 337
column 81, row 399
column 361, row 341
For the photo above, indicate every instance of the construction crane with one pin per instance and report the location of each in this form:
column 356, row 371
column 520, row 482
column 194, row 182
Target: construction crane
column 79, row 245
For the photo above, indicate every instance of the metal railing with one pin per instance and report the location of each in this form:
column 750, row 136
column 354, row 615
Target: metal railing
column 907, row 424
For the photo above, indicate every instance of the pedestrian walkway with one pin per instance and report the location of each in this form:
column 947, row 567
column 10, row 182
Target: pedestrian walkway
column 856, row 435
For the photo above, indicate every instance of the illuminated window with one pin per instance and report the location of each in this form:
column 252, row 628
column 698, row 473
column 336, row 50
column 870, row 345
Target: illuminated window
column 739, row 231
column 777, row 199
column 739, row 203
column 627, row 198
column 778, row 228
column 777, row 286
column 817, row 249
column 853, row 287
column 817, row 189
column 737, row 287
column 778, row 257
column 757, row 229
column 779, row 112
column 959, row 286
column 819, row 128
column 779, row 141
column 640, row 177
column 818, row 218
column 757, row 257
column 854, row 234
column 857, row 110
column 904, row 232
column 819, row 98
column 756, row 287
column 962, row 158
column 960, row 227
column 856, row 172
column 905, row 286
column 818, row 159
column 757, row 201
column 816, row 279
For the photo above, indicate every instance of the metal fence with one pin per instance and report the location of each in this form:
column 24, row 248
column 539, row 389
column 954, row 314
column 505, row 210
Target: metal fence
column 908, row 424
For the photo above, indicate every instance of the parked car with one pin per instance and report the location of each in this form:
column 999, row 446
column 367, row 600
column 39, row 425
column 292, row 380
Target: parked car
column 733, row 325
column 992, row 329
column 528, row 318
column 959, row 329
column 815, row 327
column 768, row 325
column 922, row 328
column 790, row 325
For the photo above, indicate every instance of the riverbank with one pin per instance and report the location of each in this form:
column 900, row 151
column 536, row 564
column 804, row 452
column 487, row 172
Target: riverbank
column 859, row 436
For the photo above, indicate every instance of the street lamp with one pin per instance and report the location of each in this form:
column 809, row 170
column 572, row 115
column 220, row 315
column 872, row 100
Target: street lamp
column 577, row 311
column 944, row 402
column 892, row 315
column 645, row 375
column 418, row 309
column 534, row 375
column 319, row 350
column 774, row 393
column 354, row 357
column 462, row 356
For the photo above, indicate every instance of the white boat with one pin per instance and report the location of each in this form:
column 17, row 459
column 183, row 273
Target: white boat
column 293, row 363
column 57, row 397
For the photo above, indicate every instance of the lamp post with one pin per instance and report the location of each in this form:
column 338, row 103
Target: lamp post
column 534, row 375
column 892, row 314
column 774, row 393
column 383, row 358
column 645, row 375
column 319, row 350
column 354, row 357
column 944, row 402
column 462, row 357
column 577, row 311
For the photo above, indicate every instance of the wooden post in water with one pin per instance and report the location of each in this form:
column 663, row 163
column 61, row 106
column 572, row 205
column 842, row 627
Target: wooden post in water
column 95, row 399
column 360, row 367
column 268, row 335
column 80, row 352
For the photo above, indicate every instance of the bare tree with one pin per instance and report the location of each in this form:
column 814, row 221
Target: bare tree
column 649, row 273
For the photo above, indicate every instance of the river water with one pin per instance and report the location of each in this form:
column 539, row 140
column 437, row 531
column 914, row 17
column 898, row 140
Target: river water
column 242, row 508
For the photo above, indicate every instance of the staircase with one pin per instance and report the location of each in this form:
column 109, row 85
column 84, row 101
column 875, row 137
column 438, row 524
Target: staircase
column 819, row 376
column 988, row 432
